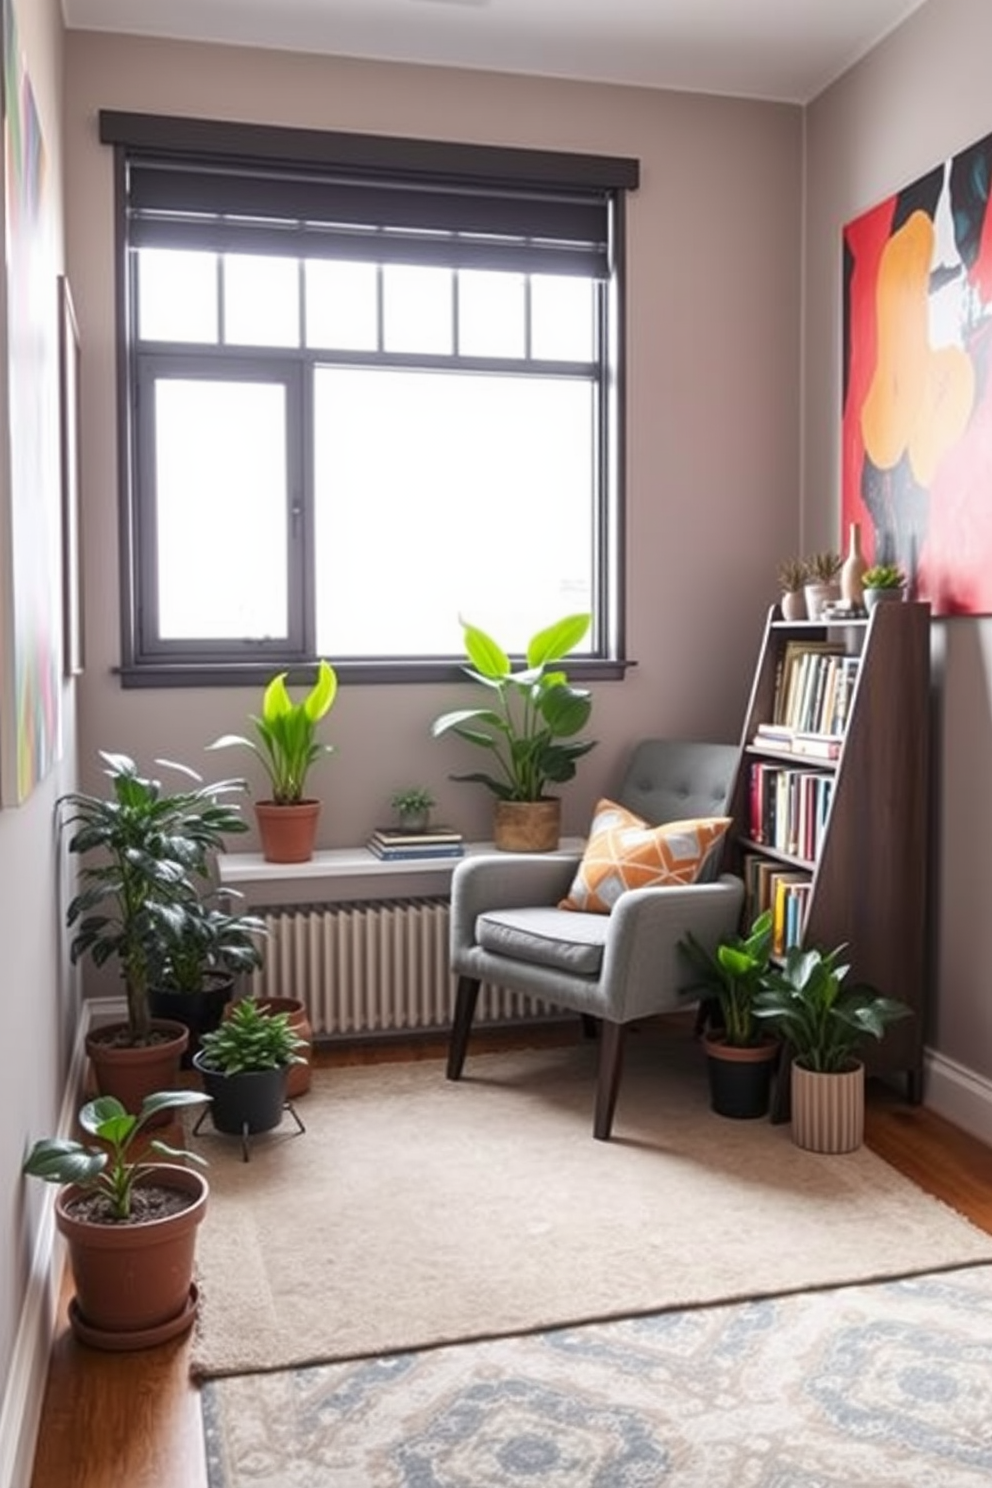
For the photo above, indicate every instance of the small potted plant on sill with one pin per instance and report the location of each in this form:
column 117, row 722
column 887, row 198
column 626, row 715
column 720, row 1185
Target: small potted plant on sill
column 286, row 743
column 792, row 575
column 125, row 1215
column 244, row 1065
column 145, row 860
column 822, row 581
column 883, row 581
column 823, row 1023
column 528, row 728
column 413, row 808
column 198, row 954
column 741, row 1057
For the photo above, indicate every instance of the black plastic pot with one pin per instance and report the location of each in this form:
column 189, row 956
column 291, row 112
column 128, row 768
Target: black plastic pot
column 201, row 1012
column 245, row 1103
column 740, row 1079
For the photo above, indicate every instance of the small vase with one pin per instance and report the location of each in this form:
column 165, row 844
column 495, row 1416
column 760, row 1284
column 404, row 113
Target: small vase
column 853, row 569
column 818, row 595
column 793, row 604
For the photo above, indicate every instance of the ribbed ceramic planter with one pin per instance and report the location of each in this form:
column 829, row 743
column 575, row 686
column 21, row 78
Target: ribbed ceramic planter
column 828, row 1111
column 527, row 826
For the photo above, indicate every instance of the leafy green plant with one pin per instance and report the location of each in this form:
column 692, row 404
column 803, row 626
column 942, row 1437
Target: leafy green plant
column 250, row 1039
column 823, row 568
column 203, row 943
column 110, row 1169
column 733, row 974
column 533, row 710
column 792, row 575
column 285, row 731
column 824, row 1022
column 883, row 576
column 145, row 862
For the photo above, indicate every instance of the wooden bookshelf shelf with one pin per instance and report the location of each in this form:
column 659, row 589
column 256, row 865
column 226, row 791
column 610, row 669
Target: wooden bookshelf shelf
column 862, row 880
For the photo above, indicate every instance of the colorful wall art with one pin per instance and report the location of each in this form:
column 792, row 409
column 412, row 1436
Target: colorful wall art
column 917, row 396
column 30, row 706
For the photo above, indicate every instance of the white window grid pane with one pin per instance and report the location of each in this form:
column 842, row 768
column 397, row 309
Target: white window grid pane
column 177, row 296
column 261, row 300
column 417, row 309
column 342, row 305
column 220, row 482
column 563, row 320
column 479, row 503
column 492, row 311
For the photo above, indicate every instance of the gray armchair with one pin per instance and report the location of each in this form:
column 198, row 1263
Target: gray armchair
column 612, row 969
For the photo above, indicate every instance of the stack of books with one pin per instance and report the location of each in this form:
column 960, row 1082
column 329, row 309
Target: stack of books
column 433, row 842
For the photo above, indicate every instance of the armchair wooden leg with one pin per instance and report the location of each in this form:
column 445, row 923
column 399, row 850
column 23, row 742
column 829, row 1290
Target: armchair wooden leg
column 466, row 998
column 610, row 1066
column 590, row 1026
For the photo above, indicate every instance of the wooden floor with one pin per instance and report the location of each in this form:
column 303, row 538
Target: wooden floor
column 133, row 1420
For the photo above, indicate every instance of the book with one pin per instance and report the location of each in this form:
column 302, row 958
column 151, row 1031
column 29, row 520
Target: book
column 816, row 746
column 400, row 837
column 412, row 852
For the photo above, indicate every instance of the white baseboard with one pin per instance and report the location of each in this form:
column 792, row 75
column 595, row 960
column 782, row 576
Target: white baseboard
column 959, row 1095
column 20, row 1412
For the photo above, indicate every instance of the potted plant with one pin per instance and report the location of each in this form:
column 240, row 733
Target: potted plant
column 882, row 581
column 145, row 857
column 528, row 727
column 198, row 954
column 413, row 806
column 286, row 743
column 244, row 1064
column 823, row 1023
column 129, row 1222
column 792, row 575
column 822, row 585
column 741, row 1058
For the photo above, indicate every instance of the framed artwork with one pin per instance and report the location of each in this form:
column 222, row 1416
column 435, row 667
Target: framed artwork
column 916, row 431
column 31, row 638
column 72, row 598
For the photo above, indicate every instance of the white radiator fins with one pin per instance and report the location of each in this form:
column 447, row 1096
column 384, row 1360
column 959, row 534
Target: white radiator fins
column 379, row 967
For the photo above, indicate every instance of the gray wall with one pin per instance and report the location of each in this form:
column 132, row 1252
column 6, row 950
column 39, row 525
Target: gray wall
column 917, row 99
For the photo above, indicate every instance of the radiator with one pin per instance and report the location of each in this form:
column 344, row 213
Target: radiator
column 374, row 967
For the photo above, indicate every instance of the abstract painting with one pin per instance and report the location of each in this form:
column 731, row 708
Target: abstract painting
column 30, row 709
column 917, row 401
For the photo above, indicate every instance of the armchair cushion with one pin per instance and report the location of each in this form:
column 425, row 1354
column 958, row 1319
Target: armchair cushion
column 624, row 852
column 566, row 942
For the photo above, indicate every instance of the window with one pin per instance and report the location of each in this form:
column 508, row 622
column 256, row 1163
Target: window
column 370, row 386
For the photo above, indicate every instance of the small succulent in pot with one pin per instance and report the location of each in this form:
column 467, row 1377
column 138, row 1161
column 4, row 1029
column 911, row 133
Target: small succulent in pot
column 792, row 575
column 883, row 576
column 250, row 1039
column 413, row 806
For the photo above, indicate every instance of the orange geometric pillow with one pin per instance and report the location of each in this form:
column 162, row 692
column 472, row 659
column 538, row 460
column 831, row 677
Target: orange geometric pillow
column 624, row 852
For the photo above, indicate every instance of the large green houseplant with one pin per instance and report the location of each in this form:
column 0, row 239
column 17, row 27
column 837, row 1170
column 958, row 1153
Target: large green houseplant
column 145, row 861
column 285, row 741
column 529, row 724
column 197, row 957
column 824, row 1022
column 129, row 1220
column 740, row 1055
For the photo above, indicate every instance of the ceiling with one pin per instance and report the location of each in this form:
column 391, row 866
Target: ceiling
column 788, row 50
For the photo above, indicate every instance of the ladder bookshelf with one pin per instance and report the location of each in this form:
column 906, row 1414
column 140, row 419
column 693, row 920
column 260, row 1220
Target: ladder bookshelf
column 848, row 826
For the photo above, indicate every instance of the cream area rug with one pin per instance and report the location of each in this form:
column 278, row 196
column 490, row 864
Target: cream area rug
column 416, row 1211
column 887, row 1385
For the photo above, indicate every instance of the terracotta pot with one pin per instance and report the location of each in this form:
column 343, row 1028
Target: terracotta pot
column 828, row 1111
column 131, row 1073
column 740, row 1078
column 527, row 826
column 134, row 1282
column 298, row 1079
column 288, row 833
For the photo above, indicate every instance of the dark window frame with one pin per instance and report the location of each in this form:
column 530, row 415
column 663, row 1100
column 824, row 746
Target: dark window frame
column 161, row 150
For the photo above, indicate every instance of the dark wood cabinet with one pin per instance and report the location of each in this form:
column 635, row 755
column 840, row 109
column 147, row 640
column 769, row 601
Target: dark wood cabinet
column 868, row 873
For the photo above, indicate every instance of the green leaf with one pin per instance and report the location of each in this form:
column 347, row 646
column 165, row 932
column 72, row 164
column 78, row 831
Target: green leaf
column 557, row 640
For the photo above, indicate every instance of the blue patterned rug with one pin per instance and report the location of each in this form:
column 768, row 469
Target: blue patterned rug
column 886, row 1385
